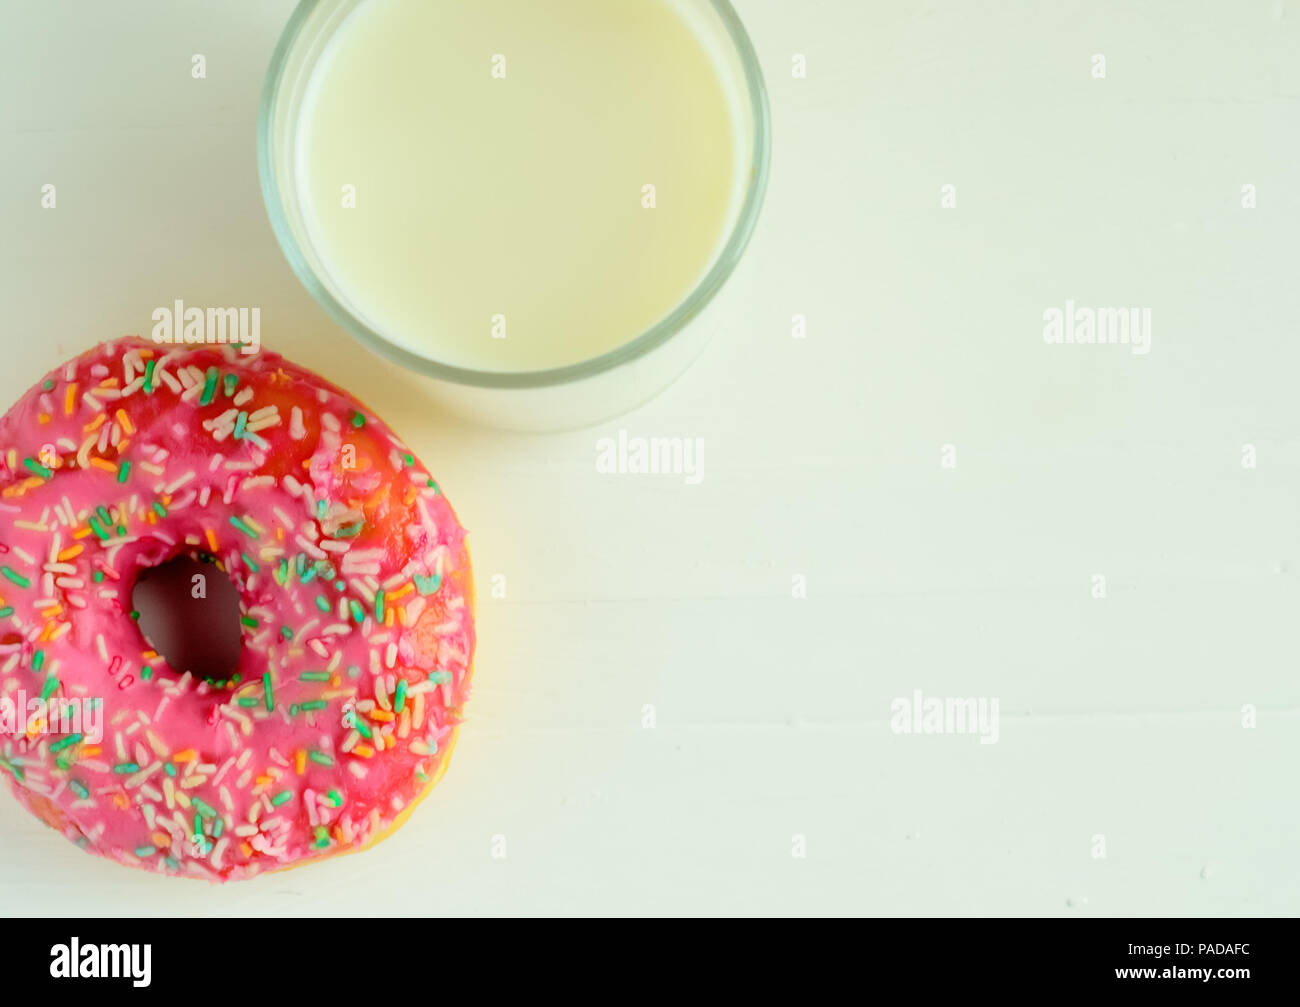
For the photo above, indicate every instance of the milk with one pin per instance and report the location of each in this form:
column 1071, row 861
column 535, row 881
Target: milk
column 512, row 185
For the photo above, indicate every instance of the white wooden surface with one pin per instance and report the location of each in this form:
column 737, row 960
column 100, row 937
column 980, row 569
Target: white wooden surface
column 1120, row 717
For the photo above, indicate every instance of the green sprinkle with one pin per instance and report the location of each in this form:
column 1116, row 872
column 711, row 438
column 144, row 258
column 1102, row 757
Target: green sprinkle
column 336, row 798
column 15, row 576
column 293, row 709
column 146, row 672
column 67, row 742
column 240, row 421
column 315, row 704
column 228, row 384
column 340, row 586
column 433, row 486
column 441, row 677
column 322, row 603
column 379, row 606
column 408, row 459
column 47, row 690
column 218, row 827
column 358, row 420
column 148, row 376
column 243, row 526
column 428, row 585
column 37, row 467
column 268, row 692
column 123, row 471
column 134, row 614
column 351, row 531
column 121, row 529
column 358, row 614
column 354, row 671
column 362, row 727
column 145, row 851
column 321, row 507
column 399, row 699
column 314, row 676
column 159, row 509
column 248, row 621
column 8, row 610
column 283, row 797
column 281, row 574
column 248, row 561
column 79, row 789
column 97, row 576
column 38, row 660
column 8, row 766
column 169, row 769
column 320, row 758
column 124, row 768
column 47, row 384
column 98, row 528
column 209, row 386
column 203, row 808
column 286, row 632
column 248, row 701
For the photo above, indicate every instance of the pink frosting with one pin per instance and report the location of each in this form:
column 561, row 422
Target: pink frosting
column 355, row 592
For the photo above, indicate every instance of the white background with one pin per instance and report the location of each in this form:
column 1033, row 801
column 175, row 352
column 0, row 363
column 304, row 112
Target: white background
column 1120, row 717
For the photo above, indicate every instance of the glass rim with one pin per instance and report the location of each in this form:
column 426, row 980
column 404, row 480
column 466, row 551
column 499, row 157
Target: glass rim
column 653, row 337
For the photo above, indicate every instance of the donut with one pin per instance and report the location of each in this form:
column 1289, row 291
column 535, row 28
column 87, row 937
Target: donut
column 355, row 608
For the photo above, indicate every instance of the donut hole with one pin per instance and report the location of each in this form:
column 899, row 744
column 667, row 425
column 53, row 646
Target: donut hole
column 188, row 611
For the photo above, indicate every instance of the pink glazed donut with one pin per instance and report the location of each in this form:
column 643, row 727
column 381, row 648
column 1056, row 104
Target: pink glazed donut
column 356, row 605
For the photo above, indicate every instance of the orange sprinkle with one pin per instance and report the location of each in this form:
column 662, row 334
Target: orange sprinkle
column 43, row 417
column 245, row 849
column 90, row 751
column 301, row 761
column 189, row 755
column 161, row 840
column 100, row 463
column 81, row 532
column 18, row 489
column 72, row 550
column 70, row 399
column 212, row 539
column 390, row 612
column 96, row 423
column 383, row 716
column 148, row 655
column 365, row 751
column 405, row 589
column 127, row 426
column 263, row 780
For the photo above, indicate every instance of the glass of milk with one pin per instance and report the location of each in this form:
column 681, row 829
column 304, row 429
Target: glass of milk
column 531, row 203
